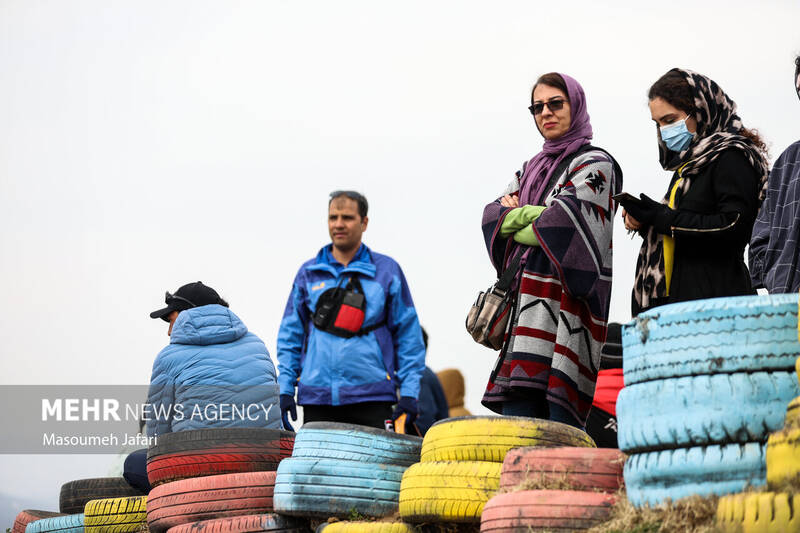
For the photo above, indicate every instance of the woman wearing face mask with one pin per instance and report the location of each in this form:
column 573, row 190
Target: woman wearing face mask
column 553, row 225
column 694, row 239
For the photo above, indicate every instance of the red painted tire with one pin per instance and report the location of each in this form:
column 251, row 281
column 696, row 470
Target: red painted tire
column 30, row 515
column 246, row 524
column 211, row 452
column 580, row 468
column 205, row 498
column 546, row 510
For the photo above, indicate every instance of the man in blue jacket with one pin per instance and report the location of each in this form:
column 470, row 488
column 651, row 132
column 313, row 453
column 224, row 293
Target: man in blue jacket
column 774, row 254
column 213, row 373
column 350, row 334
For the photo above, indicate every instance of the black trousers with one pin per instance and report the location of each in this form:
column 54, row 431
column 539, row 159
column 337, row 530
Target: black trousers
column 370, row 414
column 602, row 427
column 135, row 470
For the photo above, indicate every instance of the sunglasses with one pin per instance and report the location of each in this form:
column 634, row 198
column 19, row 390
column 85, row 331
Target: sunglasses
column 556, row 104
column 169, row 297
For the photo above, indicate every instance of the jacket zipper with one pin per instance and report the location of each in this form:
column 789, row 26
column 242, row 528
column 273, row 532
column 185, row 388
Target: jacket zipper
column 710, row 230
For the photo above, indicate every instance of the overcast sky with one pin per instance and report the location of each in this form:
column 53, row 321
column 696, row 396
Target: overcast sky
column 148, row 144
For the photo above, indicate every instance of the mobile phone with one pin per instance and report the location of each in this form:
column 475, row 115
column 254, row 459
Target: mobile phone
column 626, row 198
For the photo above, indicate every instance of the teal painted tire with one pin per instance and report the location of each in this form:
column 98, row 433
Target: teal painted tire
column 654, row 477
column 59, row 524
column 321, row 488
column 703, row 410
column 332, row 440
column 718, row 335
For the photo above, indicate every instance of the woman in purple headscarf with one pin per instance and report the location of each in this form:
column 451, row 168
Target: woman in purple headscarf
column 558, row 214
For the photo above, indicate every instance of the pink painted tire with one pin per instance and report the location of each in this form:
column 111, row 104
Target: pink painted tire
column 31, row 515
column 546, row 510
column 581, row 468
column 273, row 523
column 209, row 497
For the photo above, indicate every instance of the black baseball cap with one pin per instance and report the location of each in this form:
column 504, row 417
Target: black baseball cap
column 190, row 295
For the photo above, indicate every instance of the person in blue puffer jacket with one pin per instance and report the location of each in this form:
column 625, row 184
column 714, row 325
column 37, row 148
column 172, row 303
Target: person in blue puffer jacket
column 213, row 373
column 348, row 357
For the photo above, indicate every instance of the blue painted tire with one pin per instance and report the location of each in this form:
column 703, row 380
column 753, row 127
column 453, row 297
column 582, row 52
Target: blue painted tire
column 718, row 335
column 321, row 488
column 652, row 478
column 62, row 524
column 333, row 440
column 703, row 410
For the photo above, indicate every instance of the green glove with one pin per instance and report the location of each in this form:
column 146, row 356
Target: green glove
column 526, row 236
column 519, row 218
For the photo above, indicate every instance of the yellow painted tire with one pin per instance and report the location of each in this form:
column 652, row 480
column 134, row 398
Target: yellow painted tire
column 793, row 414
column 488, row 438
column 783, row 456
column 369, row 527
column 797, row 363
column 115, row 515
column 448, row 491
column 759, row 512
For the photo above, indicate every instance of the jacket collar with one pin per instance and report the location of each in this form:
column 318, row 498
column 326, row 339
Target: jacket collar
column 205, row 325
column 361, row 263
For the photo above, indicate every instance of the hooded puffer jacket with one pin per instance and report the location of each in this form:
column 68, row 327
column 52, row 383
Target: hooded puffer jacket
column 214, row 373
column 453, row 384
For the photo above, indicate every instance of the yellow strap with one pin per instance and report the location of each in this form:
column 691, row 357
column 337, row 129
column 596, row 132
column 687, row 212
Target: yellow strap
column 669, row 242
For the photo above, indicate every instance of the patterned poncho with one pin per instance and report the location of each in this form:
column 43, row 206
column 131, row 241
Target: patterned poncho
column 563, row 289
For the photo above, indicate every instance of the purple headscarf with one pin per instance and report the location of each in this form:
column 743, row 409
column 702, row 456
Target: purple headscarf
column 537, row 174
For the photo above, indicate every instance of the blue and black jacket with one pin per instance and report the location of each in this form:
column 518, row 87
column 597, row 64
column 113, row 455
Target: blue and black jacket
column 332, row 370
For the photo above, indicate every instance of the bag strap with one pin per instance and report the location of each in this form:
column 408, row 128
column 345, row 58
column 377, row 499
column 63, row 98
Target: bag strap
column 354, row 282
column 504, row 283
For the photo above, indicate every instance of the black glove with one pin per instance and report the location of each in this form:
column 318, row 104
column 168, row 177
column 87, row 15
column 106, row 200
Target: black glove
column 651, row 213
column 288, row 406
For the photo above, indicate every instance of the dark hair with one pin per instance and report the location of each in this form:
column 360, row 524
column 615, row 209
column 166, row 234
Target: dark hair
column 359, row 198
column 552, row 79
column 797, row 67
column 424, row 338
column 673, row 88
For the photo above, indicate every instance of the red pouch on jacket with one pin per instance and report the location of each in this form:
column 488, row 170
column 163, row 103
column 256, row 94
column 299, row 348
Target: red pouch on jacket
column 351, row 313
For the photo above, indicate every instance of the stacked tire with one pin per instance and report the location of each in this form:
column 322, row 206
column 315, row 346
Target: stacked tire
column 210, row 452
column 76, row 494
column 31, row 515
column 461, row 461
column 217, row 480
column 73, row 499
column 555, row 489
column 117, row 515
column 706, row 382
column 775, row 510
column 342, row 470
column 62, row 524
